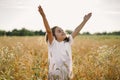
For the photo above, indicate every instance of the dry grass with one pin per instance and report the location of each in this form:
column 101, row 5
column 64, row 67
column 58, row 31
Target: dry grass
column 94, row 58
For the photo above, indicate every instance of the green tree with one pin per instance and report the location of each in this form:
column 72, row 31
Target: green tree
column 68, row 31
column 86, row 33
column 2, row 33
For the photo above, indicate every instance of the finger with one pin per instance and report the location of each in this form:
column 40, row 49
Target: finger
column 90, row 13
column 39, row 7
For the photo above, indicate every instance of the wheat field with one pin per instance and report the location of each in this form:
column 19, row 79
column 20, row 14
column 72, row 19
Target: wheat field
column 94, row 58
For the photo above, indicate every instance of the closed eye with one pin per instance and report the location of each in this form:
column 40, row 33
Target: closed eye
column 59, row 31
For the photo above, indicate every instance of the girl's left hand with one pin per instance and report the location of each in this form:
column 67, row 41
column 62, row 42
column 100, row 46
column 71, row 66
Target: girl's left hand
column 87, row 17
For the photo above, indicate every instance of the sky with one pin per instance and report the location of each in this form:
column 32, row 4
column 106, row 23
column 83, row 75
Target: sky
column 67, row 14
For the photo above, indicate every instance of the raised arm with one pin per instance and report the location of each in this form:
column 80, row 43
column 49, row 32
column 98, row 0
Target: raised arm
column 46, row 24
column 77, row 30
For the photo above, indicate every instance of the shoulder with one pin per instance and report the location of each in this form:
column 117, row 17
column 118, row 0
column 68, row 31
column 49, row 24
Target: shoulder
column 70, row 39
column 53, row 43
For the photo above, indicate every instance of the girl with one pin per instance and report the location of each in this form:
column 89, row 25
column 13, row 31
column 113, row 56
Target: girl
column 59, row 49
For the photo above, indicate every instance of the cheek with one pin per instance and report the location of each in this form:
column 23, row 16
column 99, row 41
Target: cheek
column 58, row 35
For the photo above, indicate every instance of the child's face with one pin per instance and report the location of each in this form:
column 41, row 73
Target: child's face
column 60, row 34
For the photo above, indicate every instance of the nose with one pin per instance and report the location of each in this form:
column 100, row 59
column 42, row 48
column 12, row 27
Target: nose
column 63, row 32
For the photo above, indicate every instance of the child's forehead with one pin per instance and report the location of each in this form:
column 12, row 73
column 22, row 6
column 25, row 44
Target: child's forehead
column 58, row 28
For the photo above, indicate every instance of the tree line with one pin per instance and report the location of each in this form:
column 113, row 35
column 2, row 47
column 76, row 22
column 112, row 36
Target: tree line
column 25, row 32
column 97, row 33
column 21, row 32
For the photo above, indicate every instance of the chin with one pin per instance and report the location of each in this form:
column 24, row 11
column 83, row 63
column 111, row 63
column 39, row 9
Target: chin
column 63, row 36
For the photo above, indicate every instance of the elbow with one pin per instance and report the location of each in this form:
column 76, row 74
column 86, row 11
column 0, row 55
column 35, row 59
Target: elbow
column 48, row 31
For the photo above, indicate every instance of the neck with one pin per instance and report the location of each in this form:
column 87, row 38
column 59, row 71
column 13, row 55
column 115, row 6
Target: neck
column 60, row 40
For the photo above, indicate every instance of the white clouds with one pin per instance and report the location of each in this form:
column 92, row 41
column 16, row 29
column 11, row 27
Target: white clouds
column 113, row 5
column 16, row 4
column 64, row 13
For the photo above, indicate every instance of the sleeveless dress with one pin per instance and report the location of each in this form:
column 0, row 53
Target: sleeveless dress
column 60, row 60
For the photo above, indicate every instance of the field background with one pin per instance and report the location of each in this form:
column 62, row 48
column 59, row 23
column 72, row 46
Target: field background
column 94, row 58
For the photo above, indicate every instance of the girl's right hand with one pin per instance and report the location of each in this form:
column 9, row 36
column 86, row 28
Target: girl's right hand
column 41, row 10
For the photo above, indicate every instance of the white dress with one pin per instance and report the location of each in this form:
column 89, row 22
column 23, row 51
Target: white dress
column 60, row 60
